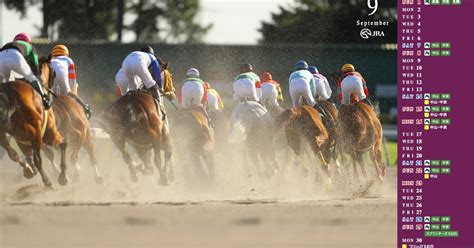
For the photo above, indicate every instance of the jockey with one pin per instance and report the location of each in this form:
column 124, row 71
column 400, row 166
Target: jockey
column 144, row 65
column 322, row 89
column 214, row 101
column 123, row 86
column 271, row 90
column 351, row 83
column 247, row 85
column 21, row 57
column 65, row 76
column 302, row 85
column 194, row 92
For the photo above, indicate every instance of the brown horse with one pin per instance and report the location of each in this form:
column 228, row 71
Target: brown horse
column 135, row 118
column 304, row 125
column 360, row 131
column 73, row 125
column 23, row 117
column 195, row 140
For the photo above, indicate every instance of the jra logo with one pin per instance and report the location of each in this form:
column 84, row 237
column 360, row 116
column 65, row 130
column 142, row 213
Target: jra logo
column 373, row 7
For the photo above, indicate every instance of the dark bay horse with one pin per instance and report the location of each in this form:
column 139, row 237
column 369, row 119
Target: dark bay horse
column 73, row 125
column 360, row 131
column 195, row 140
column 135, row 118
column 303, row 125
column 23, row 117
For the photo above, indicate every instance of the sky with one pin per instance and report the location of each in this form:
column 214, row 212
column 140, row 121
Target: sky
column 234, row 21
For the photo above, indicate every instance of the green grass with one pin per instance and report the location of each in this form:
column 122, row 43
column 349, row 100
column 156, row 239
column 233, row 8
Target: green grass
column 392, row 152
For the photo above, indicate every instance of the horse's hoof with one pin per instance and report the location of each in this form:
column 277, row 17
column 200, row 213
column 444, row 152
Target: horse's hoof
column 99, row 180
column 163, row 182
column 380, row 179
column 28, row 172
column 63, row 179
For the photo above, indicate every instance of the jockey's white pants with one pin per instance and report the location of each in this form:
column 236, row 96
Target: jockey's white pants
column 352, row 85
column 61, row 85
column 136, row 64
column 192, row 94
column 212, row 102
column 123, row 83
column 245, row 90
column 299, row 88
column 13, row 60
column 323, row 90
column 269, row 94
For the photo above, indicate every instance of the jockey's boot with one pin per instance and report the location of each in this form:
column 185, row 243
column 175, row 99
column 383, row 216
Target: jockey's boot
column 155, row 92
column 44, row 98
column 368, row 102
column 320, row 110
column 85, row 106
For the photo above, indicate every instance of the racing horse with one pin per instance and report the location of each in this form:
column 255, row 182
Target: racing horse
column 139, row 119
column 252, row 129
column 74, row 126
column 304, row 125
column 23, row 117
column 195, row 141
column 359, row 131
column 221, row 127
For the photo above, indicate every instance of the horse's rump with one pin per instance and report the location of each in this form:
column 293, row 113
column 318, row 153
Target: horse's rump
column 360, row 123
column 28, row 113
column 134, row 116
column 249, row 122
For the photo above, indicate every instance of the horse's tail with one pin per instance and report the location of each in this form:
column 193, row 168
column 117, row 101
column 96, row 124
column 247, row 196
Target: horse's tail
column 6, row 109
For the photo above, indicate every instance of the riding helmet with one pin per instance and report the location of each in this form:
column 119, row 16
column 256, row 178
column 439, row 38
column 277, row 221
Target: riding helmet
column 347, row 68
column 301, row 65
column 60, row 50
column 192, row 72
column 147, row 49
column 313, row 69
column 23, row 37
column 246, row 68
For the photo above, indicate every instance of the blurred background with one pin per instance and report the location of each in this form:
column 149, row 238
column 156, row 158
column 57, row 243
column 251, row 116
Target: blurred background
column 214, row 36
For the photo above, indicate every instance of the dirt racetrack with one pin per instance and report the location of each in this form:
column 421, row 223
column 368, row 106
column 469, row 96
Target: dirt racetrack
column 239, row 210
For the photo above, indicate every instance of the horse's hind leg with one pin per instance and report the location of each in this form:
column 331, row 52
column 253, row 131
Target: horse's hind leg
column 34, row 151
column 161, row 169
column 209, row 159
column 253, row 154
column 63, row 179
column 354, row 168
column 28, row 171
column 89, row 146
column 360, row 160
column 145, row 158
column 76, row 143
column 50, row 155
column 376, row 157
column 120, row 143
